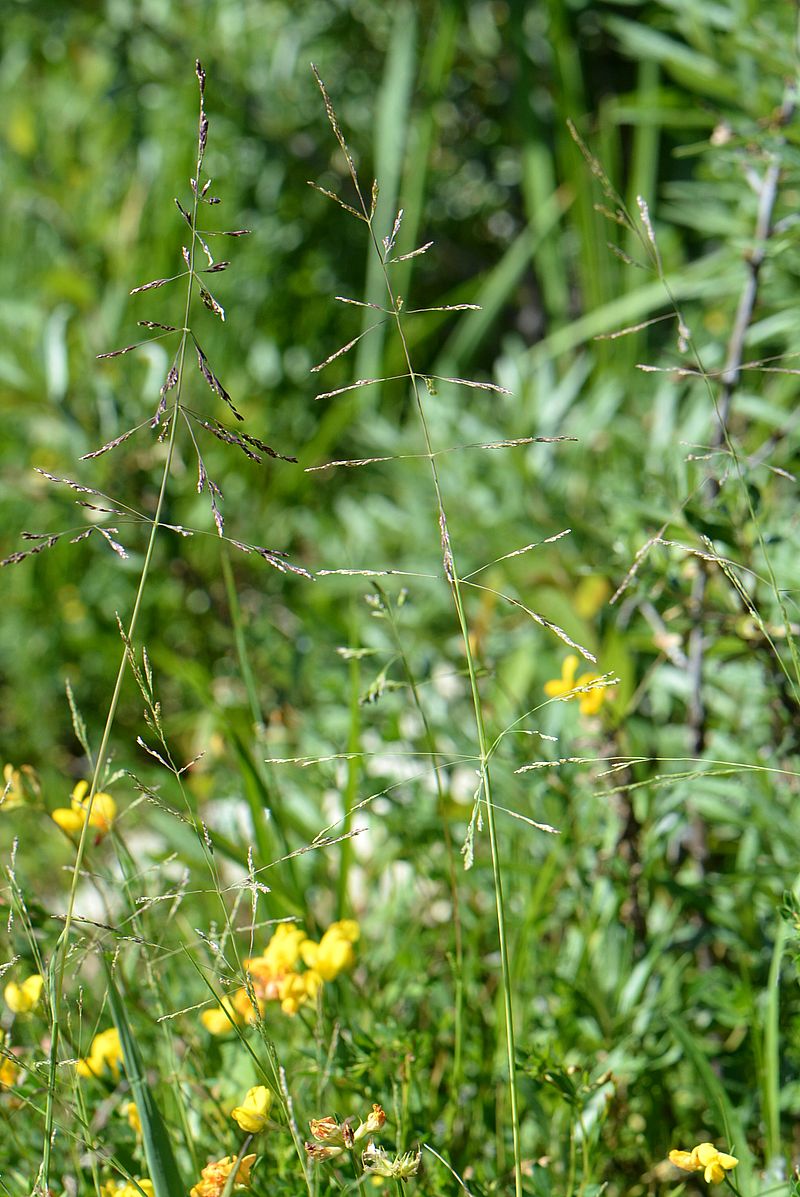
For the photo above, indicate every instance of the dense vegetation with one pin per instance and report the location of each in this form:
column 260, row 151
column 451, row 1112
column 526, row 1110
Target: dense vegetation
column 311, row 811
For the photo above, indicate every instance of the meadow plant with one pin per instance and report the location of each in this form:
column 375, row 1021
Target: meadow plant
column 293, row 968
column 92, row 814
column 546, row 1014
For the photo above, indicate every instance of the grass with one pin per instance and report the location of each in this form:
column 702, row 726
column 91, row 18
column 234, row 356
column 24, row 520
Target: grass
column 372, row 838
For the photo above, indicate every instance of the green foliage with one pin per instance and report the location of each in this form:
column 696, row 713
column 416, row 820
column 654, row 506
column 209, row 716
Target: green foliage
column 292, row 747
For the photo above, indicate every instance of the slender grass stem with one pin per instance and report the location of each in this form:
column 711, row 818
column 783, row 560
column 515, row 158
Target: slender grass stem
column 60, row 957
column 235, row 609
column 452, row 575
column 230, row 1183
column 573, row 1161
column 484, row 747
column 585, row 1158
column 430, row 743
column 351, row 788
column 257, row 812
column 58, row 963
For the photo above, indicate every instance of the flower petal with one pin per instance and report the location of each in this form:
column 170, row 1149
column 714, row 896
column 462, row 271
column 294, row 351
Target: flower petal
column 706, row 1153
column 684, row 1159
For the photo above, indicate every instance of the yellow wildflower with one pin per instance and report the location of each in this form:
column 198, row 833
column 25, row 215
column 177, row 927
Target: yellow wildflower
column 251, row 1115
column 706, row 1159
column 21, row 999
column 297, row 988
column 275, row 975
column 126, row 1188
column 590, row 595
column 131, row 1112
column 12, row 793
column 562, row 687
column 346, row 928
column 334, row 952
column 231, row 1013
column 9, row 1073
column 222, row 1019
column 215, row 1175
column 283, row 949
column 243, row 1005
column 68, row 820
column 279, row 959
column 105, row 1051
column 684, row 1159
column 71, row 819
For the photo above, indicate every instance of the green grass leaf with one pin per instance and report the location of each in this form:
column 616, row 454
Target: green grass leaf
column 161, row 1164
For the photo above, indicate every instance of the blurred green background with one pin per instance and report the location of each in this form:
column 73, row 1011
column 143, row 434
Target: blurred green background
column 460, row 110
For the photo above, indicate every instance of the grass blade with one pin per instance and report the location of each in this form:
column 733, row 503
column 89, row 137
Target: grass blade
column 161, row 1164
column 390, row 147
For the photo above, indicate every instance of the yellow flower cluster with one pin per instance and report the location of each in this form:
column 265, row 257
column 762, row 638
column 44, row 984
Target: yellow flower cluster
column 215, row 1175
column 275, row 975
column 590, row 701
column 706, row 1159
column 22, row 999
column 105, row 1052
column 72, row 818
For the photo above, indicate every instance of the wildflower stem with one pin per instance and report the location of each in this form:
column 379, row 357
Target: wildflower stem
column 585, row 1160
column 573, row 1162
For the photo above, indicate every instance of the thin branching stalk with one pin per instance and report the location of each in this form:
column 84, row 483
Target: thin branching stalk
column 645, row 235
column 451, row 573
column 767, row 197
column 430, row 743
column 58, row 963
column 262, row 824
column 351, row 788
